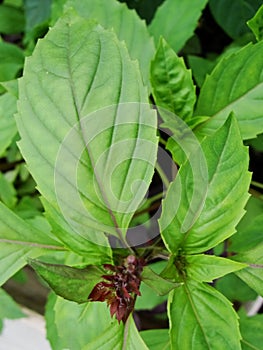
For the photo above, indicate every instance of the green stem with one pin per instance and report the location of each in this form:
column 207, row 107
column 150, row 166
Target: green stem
column 162, row 175
column 162, row 141
column 257, row 184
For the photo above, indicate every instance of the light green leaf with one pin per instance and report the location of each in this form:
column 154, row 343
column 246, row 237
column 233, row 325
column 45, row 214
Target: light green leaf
column 127, row 25
column 9, row 309
column 11, row 60
column 223, row 202
column 156, row 339
column 256, row 24
column 201, row 318
column 232, row 16
column 251, row 330
column 206, row 268
column 252, row 275
column 159, row 284
column 176, row 20
column 8, row 126
column 69, row 282
column 172, row 84
column 92, row 319
column 87, row 169
column 234, row 86
column 11, row 19
column 18, row 241
column 118, row 337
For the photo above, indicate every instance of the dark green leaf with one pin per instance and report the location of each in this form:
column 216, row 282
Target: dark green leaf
column 233, row 86
column 213, row 220
column 172, row 84
column 201, row 318
column 256, row 24
column 159, row 284
column 11, row 61
column 11, row 20
column 251, row 330
column 69, row 282
column 200, row 67
column 176, row 20
column 232, row 16
column 36, row 12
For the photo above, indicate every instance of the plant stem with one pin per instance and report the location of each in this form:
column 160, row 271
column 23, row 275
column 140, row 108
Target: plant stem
column 162, row 141
column 257, row 184
column 162, row 175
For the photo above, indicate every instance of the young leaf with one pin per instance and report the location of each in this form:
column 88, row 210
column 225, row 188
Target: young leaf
column 232, row 17
column 118, row 337
column 84, row 168
column 176, row 20
column 252, row 275
column 160, row 285
column 8, row 126
column 255, row 24
column 206, row 268
column 172, row 84
column 228, row 182
column 156, row 339
column 201, row 318
column 69, row 282
column 232, row 86
column 127, row 25
column 92, row 319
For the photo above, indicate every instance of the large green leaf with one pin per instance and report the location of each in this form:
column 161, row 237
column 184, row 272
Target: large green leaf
column 18, row 241
column 127, row 25
column 251, row 330
column 176, row 20
column 118, row 337
column 201, row 318
column 206, row 268
column 9, row 309
column 234, row 86
column 91, row 320
column 256, row 24
column 92, row 152
column 156, row 339
column 8, row 126
column 172, row 84
column 69, row 282
column 232, row 16
column 252, row 275
column 223, row 202
column 11, row 19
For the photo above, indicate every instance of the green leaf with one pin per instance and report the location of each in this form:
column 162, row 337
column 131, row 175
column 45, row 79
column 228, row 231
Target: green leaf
column 172, row 84
column 252, row 275
column 92, row 319
column 235, row 289
column 11, row 19
column 8, row 126
column 118, row 337
column 127, row 25
column 69, row 282
column 156, row 339
column 256, row 24
column 176, row 20
column 7, row 192
column 206, row 268
column 232, row 16
column 18, row 241
column 159, row 284
column 36, row 12
column 83, row 168
column 11, row 61
column 200, row 67
column 233, row 86
column 9, row 309
column 223, row 200
column 202, row 318
column 251, row 330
